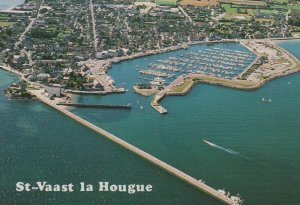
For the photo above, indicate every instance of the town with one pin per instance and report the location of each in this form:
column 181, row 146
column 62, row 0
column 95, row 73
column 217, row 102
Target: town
column 48, row 44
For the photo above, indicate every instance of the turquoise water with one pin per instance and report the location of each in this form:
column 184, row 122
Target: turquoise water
column 37, row 143
column 266, row 135
column 4, row 4
column 291, row 45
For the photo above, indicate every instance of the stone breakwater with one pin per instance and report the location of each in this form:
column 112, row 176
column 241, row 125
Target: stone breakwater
column 172, row 170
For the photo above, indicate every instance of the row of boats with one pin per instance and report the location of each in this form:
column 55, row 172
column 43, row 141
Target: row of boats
column 219, row 62
column 237, row 199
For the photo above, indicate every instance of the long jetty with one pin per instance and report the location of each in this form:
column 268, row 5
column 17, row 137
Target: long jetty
column 172, row 170
column 96, row 92
column 96, row 106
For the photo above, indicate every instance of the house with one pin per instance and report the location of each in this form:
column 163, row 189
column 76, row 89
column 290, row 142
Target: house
column 53, row 91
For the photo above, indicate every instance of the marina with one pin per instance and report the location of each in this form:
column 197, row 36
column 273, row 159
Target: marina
column 217, row 62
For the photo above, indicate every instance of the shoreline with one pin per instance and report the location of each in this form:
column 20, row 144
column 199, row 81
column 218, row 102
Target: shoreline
column 11, row 8
column 172, row 170
column 192, row 43
column 106, row 64
column 254, row 81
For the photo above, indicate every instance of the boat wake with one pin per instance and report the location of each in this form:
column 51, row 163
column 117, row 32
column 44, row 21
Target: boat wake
column 221, row 148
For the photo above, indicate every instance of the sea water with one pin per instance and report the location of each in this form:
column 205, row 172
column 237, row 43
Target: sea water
column 4, row 4
column 37, row 143
column 264, row 136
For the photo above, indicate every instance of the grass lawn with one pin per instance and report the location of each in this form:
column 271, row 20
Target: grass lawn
column 5, row 23
column 229, row 9
column 181, row 88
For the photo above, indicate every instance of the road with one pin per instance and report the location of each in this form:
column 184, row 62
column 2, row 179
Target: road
column 32, row 21
column 94, row 25
column 183, row 11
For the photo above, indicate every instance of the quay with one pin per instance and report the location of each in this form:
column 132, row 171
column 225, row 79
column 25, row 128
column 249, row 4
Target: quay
column 159, row 108
column 96, row 92
column 155, row 102
column 159, row 96
column 12, row 11
column 170, row 169
column 127, row 107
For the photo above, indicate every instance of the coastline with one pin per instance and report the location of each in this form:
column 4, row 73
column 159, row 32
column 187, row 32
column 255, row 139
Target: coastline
column 172, row 170
column 105, row 64
column 186, row 45
column 235, row 83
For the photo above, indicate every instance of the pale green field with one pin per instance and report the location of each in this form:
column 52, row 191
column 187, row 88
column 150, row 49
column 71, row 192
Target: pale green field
column 295, row 7
column 5, row 23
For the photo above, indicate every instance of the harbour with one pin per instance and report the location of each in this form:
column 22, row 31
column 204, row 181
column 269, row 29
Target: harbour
column 195, row 102
column 213, row 95
column 172, row 170
column 211, row 101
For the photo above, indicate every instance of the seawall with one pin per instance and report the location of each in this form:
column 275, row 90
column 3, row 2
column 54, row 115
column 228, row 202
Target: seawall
column 172, row 170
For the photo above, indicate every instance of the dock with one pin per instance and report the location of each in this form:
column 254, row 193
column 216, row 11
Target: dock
column 170, row 169
column 159, row 96
column 97, row 92
column 159, row 109
column 155, row 103
column 125, row 107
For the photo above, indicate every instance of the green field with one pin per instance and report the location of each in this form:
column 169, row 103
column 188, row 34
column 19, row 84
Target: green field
column 237, row 10
column 295, row 7
column 280, row 1
column 269, row 12
column 277, row 6
column 229, row 10
column 5, row 23
column 183, row 87
column 166, row 2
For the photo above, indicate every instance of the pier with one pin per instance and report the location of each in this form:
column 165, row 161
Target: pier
column 159, row 96
column 125, row 107
column 155, row 102
column 96, row 92
column 172, row 170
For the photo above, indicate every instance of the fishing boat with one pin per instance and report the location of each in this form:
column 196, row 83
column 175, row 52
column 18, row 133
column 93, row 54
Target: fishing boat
column 237, row 199
column 266, row 100
column 222, row 191
column 207, row 142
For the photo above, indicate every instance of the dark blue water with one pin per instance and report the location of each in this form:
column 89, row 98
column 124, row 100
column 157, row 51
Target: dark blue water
column 264, row 137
